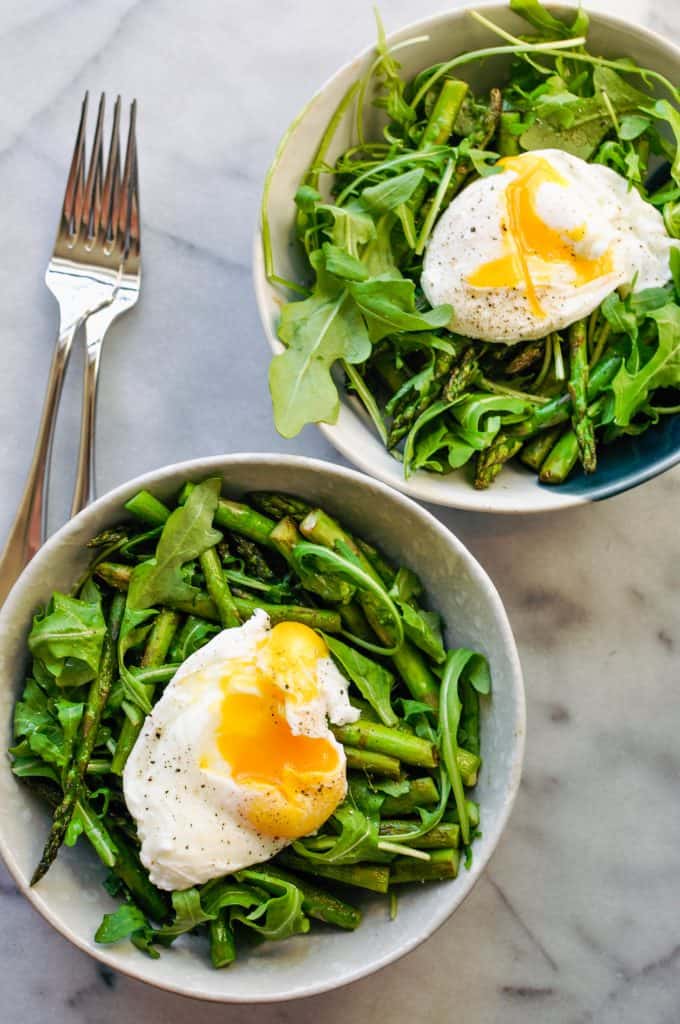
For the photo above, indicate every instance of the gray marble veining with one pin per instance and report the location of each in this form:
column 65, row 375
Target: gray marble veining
column 576, row 919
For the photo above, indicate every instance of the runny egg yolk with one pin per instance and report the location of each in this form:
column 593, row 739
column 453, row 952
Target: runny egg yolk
column 294, row 782
column 534, row 249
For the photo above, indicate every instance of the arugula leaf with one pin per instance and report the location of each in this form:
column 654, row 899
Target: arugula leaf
column 395, row 787
column 548, row 25
column 127, row 922
column 632, row 126
column 468, row 729
column 189, row 913
column 406, row 585
column 675, row 269
column 578, row 124
column 351, row 226
column 222, row 893
column 378, row 256
column 427, row 416
column 357, row 838
column 663, row 110
column 449, row 718
column 661, row 370
column 411, row 708
column 439, row 449
column 619, row 314
column 69, row 715
column 281, row 915
column 389, row 194
column 342, row 264
column 31, row 713
column 27, row 766
column 186, row 535
column 306, row 198
column 391, row 95
column 317, row 331
column 423, row 628
column 192, row 637
column 671, row 219
column 133, row 631
column 68, row 639
column 389, row 306
column 373, row 682
column 477, row 406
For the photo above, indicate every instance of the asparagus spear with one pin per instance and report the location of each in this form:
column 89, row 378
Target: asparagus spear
column 75, row 773
column 415, row 402
column 444, row 835
column 316, row 902
column 218, row 588
column 160, row 638
column 285, row 537
column 421, row 793
column 129, row 869
column 413, row 669
column 234, row 515
column 535, row 450
column 119, row 854
column 439, row 127
column 385, row 571
column 319, row 527
column 442, row 864
column 253, row 560
column 468, row 766
column 157, row 646
column 382, row 739
column 222, row 942
column 508, row 141
column 472, row 810
column 375, row 877
column 149, row 509
column 491, row 460
column 461, row 375
column 118, row 576
column 529, row 355
column 372, row 762
column 561, row 460
column 559, row 409
column 355, row 621
column 279, row 506
column 578, row 389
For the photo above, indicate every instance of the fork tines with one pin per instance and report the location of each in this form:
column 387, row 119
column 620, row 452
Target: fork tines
column 101, row 206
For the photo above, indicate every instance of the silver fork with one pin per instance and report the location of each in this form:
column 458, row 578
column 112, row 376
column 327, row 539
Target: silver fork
column 84, row 274
column 122, row 199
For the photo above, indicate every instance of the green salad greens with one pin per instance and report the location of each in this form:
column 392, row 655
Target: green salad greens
column 160, row 586
column 439, row 400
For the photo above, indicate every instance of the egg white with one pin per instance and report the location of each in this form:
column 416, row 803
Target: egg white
column 470, row 234
column 190, row 819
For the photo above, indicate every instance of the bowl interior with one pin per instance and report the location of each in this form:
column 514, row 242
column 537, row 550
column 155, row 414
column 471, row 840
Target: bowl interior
column 71, row 895
column 627, row 462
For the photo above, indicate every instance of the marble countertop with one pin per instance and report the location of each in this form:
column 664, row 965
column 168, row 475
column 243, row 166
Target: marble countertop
column 576, row 919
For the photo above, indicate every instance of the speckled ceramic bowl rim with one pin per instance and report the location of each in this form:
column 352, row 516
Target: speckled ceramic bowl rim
column 221, row 464
column 422, row 487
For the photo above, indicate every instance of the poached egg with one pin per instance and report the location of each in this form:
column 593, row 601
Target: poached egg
column 236, row 759
column 539, row 245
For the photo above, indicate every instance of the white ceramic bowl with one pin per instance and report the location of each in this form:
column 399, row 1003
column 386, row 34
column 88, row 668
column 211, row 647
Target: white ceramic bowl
column 71, row 896
column 625, row 464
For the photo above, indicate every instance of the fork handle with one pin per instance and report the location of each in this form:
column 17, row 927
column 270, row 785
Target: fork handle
column 84, row 489
column 28, row 529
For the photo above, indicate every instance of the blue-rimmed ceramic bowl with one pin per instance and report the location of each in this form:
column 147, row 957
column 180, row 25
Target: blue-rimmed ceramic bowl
column 624, row 464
